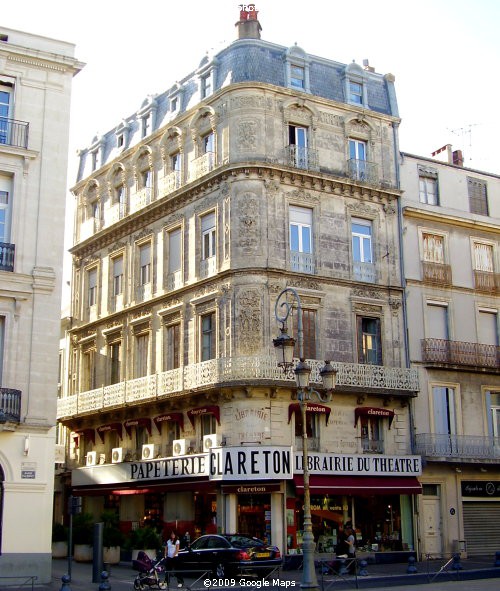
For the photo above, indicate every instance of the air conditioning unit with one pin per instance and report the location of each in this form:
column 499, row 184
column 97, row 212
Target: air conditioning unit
column 209, row 441
column 117, row 455
column 149, row 451
column 91, row 458
column 179, row 447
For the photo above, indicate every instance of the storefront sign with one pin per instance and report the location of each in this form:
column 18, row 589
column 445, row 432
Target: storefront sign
column 251, row 489
column 251, row 463
column 480, row 488
column 375, row 465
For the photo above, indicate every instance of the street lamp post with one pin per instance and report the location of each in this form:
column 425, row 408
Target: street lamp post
column 284, row 347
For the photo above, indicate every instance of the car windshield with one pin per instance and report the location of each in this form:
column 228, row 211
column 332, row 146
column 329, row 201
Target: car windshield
column 244, row 541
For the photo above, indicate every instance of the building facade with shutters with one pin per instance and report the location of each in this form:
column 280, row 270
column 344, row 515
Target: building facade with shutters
column 35, row 88
column 451, row 229
column 265, row 168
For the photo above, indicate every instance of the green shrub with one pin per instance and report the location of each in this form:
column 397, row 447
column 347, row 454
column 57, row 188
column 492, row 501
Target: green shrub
column 83, row 529
column 144, row 538
column 59, row 533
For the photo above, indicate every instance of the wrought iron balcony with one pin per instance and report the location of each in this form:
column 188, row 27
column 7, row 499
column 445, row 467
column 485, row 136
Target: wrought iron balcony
column 302, row 262
column 436, row 273
column 10, row 404
column 363, row 171
column 487, row 282
column 14, row 133
column 300, row 157
column 7, row 252
column 472, row 447
column 460, row 353
column 201, row 166
column 173, row 383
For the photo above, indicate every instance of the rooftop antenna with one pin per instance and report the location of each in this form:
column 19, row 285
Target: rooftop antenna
column 464, row 132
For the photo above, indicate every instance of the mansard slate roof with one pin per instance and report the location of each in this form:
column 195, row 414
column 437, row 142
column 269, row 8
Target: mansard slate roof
column 243, row 61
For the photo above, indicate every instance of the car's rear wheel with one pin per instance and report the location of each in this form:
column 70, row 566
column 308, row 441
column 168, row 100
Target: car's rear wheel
column 220, row 570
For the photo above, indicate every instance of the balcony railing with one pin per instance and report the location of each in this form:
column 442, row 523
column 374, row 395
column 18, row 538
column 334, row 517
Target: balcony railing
column 437, row 273
column 7, row 252
column 460, row 353
column 364, row 272
column 486, row 282
column 89, row 227
column 363, row 171
column 14, row 133
column 300, row 157
column 302, row 262
column 208, row 267
column 141, row 198
column 372, row 446
column 201, row 166
column 10, row 404
column 170, row 183
column 445, row 446
column 224, row 371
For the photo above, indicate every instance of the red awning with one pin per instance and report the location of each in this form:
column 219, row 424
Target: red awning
column 144, row 422
column 177, row 417
column 369, row 411
column 204, row 410
column 87, row 434
column 110, row 427
column 360, row 485
column 310, row 407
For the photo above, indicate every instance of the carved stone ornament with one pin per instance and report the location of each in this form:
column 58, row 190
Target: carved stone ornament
column 248, row 222
column 247, row 135
column 362, row 209
column 366, row 308
column 249, row 314
column 367, row 292
column 303, row 196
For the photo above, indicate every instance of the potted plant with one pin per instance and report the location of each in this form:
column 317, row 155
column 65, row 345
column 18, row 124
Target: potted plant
column 59, row 541
column 112, row 537
column 83, row 537
column 146, row 539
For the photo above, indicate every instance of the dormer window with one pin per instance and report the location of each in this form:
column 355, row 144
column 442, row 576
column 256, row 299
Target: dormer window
column 297, row 77
column 355, row 93
column 355, row 85
column 297, row 69
column 206, row 85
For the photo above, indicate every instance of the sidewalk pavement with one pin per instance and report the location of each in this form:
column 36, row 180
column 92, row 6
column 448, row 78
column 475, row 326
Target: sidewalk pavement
column 121, row 576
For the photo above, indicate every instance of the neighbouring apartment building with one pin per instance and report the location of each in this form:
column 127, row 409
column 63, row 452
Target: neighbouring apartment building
column 451, row 230
column 265, row 168
column 35, row 89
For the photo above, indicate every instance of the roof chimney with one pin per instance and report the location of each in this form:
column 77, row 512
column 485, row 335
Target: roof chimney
column 458, row 158
column 248, row 25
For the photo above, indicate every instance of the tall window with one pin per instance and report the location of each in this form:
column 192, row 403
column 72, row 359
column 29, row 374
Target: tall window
column 117, row 276
column 433, row 248
column 208, row 424
column 208, row 341
column 355, row 93
column 5, row 97
column 483, row 257
column 309, row 333
column 4, row 216
column 208, row 143
column 297, row 77
column 443, row 399
column 487, row 330
column 362, row 241
column 92, row 287
column 114, row 352
column 141, row 355
column 428, row 185
column 437, row 321
column 208, row 245
column 147, row 178
column 493, row 402
column 89, row 373
column 2, row 340
column 358, row 167
column 145, row 263
column 298, row 144
column 206, row 85
column 120, row 199
column 175, row 162
column 301, row 239
column 478, row 196
column 369, row 341
column 357, row 150
column 173, row 346
column 174, row 251
column 146, row 125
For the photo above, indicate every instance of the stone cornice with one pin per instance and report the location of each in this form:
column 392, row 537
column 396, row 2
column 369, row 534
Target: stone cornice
column 327, row 183
column 450, row 220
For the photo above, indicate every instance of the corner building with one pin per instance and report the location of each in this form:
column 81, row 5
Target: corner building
column 36, row 75
column 263, row 169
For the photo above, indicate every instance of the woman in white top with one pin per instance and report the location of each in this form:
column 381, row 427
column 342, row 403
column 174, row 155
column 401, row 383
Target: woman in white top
column 171, row 553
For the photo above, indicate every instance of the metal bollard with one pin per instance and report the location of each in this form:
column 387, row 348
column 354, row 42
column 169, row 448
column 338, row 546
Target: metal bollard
column 66, row 579
column 104, row 586
column 497, row 559
column 457, row 565
column 412, row 569
column 363, row 571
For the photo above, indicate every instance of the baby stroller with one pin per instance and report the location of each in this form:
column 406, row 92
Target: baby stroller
column 149, row 572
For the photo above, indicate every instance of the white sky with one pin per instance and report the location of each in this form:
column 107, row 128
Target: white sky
column 443, row 53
